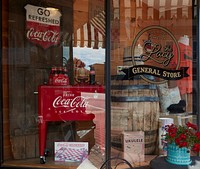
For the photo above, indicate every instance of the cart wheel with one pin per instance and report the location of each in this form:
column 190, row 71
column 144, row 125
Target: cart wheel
column 46, row 152
column 42, row 160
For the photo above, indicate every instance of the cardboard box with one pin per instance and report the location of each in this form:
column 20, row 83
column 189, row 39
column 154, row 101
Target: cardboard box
column 133, row 146
column 70, row 151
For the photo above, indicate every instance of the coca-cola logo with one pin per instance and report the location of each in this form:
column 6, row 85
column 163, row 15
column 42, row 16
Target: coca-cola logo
column 60, row 80
column 45, row 36
column 73, row 103
column 43, row 25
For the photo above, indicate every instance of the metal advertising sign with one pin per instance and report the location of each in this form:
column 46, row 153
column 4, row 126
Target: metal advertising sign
column 43, row 25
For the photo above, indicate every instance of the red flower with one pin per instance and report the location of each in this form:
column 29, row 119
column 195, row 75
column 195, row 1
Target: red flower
column 178, row 141
column 184, row 136
column 196, row 147
column 172, row 134
column 198, row 135
column 183, row 144
column 191, row 125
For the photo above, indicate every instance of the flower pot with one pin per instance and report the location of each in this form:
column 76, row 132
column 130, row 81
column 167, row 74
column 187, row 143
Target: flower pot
column 178, row 156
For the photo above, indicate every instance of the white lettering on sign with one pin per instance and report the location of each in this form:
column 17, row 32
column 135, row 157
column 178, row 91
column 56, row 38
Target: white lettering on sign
column 61, row 81
column 76, row 102
column 47, row 36
column 43, row 25
column 50, row 16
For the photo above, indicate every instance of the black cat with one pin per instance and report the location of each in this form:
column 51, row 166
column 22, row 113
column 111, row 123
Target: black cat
column 177, row 108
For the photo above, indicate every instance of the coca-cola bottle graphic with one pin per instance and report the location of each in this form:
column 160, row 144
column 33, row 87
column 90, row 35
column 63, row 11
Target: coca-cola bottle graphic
column 65, row 74
column 60, row 78
column 56, row 72
column 51, row 75
column 60, row 71
column 92, row 75
column 55, row 75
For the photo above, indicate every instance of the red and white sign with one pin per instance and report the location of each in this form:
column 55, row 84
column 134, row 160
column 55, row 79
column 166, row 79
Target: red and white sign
column 43, row 25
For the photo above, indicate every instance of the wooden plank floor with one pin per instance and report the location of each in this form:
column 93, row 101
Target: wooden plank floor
column 35, row 163
column 51, row 164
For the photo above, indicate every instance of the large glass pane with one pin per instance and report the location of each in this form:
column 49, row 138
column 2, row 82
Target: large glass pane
column 152, row 75
column 53, row 86
column 88, row 60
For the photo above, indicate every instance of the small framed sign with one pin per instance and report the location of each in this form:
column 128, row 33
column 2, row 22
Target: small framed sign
column 71, row 151
column 134, row 146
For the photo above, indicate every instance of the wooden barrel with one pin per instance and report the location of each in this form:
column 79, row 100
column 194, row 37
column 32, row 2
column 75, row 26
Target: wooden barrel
column 128, row 57
column 142, row 101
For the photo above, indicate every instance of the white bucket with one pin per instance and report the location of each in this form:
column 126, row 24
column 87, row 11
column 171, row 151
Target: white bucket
column 163, row 122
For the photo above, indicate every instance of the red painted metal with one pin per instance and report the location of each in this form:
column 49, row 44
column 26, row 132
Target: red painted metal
column 62, row 103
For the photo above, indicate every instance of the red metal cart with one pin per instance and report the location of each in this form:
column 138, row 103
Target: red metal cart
column 62, row 103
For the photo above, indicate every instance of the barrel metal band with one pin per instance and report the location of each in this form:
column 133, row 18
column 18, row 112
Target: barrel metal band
column 134, row 99
column 133, row 87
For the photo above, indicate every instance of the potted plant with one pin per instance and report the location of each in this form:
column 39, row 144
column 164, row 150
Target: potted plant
column 180, row 141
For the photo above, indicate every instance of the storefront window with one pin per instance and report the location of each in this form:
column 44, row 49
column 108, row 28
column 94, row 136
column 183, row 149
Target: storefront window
column 53, row 83
column 152, row 75
column 53, row 80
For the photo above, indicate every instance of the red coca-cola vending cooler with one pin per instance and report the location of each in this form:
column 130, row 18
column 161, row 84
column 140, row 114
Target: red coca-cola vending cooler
column 62, row 103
